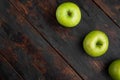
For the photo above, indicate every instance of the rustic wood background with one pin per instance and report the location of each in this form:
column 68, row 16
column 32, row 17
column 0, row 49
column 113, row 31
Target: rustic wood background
column 33, row 46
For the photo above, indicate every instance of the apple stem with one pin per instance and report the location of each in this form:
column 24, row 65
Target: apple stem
column 69, row 13
column 99, row 43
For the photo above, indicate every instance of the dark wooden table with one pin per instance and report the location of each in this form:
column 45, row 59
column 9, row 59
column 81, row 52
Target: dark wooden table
column 33, row 46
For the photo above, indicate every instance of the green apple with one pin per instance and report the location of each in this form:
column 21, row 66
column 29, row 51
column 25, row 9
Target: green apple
column 68, row 14
column 114, row 70
column 96, row 43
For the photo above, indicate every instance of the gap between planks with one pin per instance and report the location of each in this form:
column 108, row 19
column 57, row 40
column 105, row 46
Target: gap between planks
column 12, row 67
column 106, row 14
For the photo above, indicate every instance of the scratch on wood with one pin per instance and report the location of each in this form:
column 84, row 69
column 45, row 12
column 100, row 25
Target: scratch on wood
column 39, row 63
column 21, row 7
column 98, row 66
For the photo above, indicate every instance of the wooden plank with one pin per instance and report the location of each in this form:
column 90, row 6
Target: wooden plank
column 27, row 51
column 111, row 8
column 68, row 42
column 7, row 72
column 32, row 59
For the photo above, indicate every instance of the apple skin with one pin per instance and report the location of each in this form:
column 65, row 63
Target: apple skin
column 96, row 43
column 114, row 69
column 68, row 14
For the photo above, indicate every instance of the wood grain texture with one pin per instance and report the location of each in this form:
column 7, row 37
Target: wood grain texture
column 7, row 72
column 111, row 8
column 27, row 51
column 68, row 42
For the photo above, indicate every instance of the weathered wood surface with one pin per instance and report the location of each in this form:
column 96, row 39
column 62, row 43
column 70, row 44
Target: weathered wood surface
column 68, row 42
column 111, row 8
column 27, row 51
column 39, row 15
column 7, row 72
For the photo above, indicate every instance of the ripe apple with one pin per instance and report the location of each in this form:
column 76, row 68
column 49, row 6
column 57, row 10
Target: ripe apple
column 68, row 14
column 96, row 43
column 114, row 69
